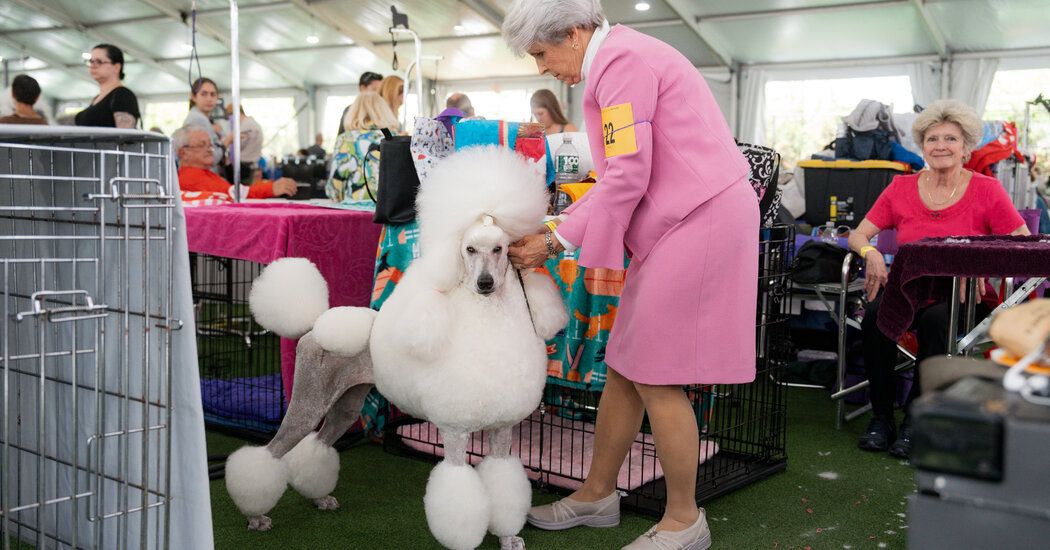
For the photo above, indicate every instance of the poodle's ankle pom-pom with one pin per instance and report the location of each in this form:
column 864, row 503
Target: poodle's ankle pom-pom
column 255, row 480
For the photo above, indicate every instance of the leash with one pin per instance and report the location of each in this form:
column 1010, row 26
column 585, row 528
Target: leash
column 528, row 307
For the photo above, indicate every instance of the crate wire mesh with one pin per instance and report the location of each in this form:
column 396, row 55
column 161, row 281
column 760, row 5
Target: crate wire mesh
column 742, row 426
column 86, row 262
column 240, row 362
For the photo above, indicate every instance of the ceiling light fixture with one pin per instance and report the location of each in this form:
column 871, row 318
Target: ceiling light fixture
column 459, row 27
column 642, row 6
column 313, row 39
column 187, row 47
column 85, row 56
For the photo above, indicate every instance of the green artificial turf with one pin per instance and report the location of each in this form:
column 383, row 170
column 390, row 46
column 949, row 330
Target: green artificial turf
column 831, row 496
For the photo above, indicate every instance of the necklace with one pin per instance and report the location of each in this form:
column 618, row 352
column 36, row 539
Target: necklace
column 946, row 201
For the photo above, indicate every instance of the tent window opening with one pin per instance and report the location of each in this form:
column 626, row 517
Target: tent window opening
column 802, row 116
column 1006, row 101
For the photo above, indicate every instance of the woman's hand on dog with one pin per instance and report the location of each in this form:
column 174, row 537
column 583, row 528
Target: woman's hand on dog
column 530, row 251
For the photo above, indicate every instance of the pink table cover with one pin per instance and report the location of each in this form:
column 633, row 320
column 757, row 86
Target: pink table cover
column 341, row 243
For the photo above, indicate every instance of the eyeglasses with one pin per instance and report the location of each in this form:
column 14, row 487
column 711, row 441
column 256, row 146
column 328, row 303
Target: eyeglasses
column 95, row 62
column 198, row 146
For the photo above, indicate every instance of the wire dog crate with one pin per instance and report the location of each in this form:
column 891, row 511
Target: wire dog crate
column 240, row 362
column 86, row 263
column 742, row 426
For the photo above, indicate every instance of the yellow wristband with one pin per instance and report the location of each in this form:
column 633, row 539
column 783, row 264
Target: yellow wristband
column 865, row 249
column 551, row 224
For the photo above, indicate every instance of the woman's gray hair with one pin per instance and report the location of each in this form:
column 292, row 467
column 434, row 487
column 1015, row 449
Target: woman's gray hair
column 949, row 110
column 181, row 137
column 531, row 22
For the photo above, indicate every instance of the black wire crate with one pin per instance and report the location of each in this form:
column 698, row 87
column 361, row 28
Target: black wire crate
column 742, row 426
column 240, row 362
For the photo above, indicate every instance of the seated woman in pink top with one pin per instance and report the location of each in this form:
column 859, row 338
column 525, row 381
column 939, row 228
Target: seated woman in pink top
column 943, row 200
column 673, row 194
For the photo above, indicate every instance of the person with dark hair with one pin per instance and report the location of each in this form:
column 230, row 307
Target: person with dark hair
column 115, row 106
column 25, row 90
column 547, row 111
column 460, row 101
column 369, row 82
column 204, row 96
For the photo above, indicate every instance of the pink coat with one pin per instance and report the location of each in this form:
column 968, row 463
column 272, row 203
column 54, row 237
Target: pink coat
column 676, row 194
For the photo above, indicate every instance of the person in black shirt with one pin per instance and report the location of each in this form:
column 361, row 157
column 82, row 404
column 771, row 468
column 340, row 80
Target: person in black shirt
column 115, row 106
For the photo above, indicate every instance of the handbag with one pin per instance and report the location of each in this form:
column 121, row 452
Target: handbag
column 819, row 262
column 398, row 181
column 764, row 178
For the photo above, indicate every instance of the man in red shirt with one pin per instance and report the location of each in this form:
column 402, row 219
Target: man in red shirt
column 197, row 181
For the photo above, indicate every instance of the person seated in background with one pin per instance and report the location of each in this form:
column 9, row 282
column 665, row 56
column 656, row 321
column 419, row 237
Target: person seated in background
column 204, row 97
column 355, row 165
column 317, row 149
column 460, row 101
column 193, row 148
column 943, row 200
column 25, row 91
column 547, row 111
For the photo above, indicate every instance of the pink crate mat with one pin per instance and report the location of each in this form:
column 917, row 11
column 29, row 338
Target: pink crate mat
column 571, row 445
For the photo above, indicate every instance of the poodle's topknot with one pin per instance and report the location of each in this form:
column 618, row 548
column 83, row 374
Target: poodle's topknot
column 466, row 187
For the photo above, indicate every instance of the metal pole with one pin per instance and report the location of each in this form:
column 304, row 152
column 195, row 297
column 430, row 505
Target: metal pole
column 953, row 317
column 419, row 74
column 235, row 90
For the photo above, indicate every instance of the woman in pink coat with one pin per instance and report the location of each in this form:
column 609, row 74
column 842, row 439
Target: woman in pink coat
column 672, row 193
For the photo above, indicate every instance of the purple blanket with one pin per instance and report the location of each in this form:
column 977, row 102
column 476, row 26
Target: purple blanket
column 256, row 400
column 922, row 270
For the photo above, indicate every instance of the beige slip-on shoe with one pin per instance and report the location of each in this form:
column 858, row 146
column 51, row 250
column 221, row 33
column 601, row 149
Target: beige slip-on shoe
column 567, row 513
column 695, row 537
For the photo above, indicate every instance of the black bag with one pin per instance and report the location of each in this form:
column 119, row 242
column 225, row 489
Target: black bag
column 871, row 145
column 819, row 262
column 398, row 182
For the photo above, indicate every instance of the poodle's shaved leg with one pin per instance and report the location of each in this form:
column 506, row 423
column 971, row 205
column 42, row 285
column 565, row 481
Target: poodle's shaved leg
column 508, row 489
column 500, row 441
column 455, row 446
column 343, row 414
column 302, row 417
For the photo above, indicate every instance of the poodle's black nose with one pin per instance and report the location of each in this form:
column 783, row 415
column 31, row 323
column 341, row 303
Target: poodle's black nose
column 485, row 283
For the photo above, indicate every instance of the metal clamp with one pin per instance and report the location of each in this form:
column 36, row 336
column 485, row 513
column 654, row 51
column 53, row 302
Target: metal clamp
column 71, row 312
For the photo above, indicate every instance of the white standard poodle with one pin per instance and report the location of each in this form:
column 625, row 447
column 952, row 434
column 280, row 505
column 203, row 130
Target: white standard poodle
column 461, row 341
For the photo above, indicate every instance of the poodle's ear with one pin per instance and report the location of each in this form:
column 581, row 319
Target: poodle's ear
column 442, row 265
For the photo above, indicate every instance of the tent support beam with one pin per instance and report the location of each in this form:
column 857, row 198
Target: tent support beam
column 52, row 61
column 685, row 13
column 932, row 29
column 486, row 11
column 222, row 37
column 94, row 34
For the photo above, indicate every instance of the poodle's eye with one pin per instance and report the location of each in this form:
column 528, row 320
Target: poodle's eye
column 471, row 250
column 497, row 250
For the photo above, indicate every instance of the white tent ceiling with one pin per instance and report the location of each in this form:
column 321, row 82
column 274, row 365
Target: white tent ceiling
column 47, row 37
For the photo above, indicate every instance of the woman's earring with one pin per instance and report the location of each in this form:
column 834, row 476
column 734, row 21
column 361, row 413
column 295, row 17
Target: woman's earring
column 575, row 45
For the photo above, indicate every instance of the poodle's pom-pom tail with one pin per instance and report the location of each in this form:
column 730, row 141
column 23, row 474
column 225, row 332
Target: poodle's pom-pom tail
column 509, row 493
column 255, row 480
column 548, row 309
column 288, row 296
column 313, row 467
column 457, row 506
column 344, row 330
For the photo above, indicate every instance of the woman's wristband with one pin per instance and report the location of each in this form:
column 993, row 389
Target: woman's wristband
column 865, row 249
